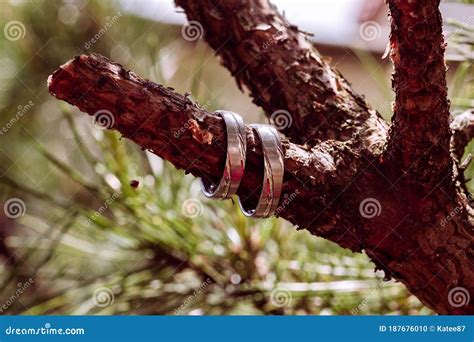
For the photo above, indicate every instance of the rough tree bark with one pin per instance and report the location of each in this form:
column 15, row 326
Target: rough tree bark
column 397, row 193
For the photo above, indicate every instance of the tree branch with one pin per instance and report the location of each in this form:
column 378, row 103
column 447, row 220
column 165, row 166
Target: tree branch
column 420, row 134
column 283, row 71
column 325, row 185
column 422, row 238
column 173, row 127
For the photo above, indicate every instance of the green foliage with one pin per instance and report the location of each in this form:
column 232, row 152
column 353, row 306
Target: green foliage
column 146, row 250
column 91, row 243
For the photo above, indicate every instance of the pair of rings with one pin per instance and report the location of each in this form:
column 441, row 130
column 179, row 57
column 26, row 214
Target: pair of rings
column 235, row 166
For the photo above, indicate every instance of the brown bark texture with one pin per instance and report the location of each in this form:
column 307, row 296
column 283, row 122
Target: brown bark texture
column 397, row 192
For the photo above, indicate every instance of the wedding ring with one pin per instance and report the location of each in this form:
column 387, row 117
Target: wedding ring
column 272, row 175
column 235, row 159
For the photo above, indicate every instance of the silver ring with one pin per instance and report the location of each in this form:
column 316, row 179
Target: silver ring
column 273, row 173
column 235, row 159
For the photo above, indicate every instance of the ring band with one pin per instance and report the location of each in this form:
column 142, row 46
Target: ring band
column 235, row 159
column 273, row 173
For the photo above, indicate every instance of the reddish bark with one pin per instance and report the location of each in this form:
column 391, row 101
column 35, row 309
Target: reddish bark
column 420, row 134
column 283, row 70
column 421, row 233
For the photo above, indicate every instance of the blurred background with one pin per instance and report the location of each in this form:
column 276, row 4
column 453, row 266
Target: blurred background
column 93, row 225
